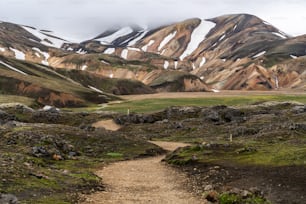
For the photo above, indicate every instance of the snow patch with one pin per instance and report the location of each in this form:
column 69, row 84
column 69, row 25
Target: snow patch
column 70, row 49
column 164, row 50
column 45, row 54
column 111, row 75
column 166, row 40
column 175, row 64
column 18, row 54
column 259, row 54
column 133, row 42
column 281, row 32
column 13, row 68
column 134, row 49
column 124, row 53
column 214, row 45
column 201, row 77
column 193, row 66
column 203, row 61
column 265, row 22
column 109, row 51
column 48, row 108
column 145, row 48
column 95, row 89
column 166, row 65
column 222, row 37
column 2, row 49
column 45, row 39
column 215, row 91
column 224, row 60
column 293, row 56
column 109, row 39
column 235, row 27
column 280, row 35
column 81, row 51
column 105, row 62
column 197, row 36
column 84, row 67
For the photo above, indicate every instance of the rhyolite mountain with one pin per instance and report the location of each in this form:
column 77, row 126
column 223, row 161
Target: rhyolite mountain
column 238, row 51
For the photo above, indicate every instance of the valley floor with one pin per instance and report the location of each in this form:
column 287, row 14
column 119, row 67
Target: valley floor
column 222, row 93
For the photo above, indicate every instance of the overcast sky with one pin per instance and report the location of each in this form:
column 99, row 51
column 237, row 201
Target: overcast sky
column 83, row 19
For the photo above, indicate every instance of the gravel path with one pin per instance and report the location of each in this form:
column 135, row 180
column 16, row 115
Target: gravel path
column 143, row 181
column 107, row 124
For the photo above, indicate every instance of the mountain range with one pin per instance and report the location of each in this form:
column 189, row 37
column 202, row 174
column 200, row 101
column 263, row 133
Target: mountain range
column 229, row 52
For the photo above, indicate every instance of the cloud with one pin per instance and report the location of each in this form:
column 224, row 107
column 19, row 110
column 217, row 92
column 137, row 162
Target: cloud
column 84, row 19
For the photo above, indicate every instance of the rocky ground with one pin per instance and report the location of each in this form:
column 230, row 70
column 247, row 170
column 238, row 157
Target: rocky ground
column 250, row 154
column 144, row 181
column 49, row 156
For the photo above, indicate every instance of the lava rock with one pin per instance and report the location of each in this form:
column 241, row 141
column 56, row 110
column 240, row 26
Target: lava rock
column 5, row 117
column 208, row 188
column 40, row 152
column 8, row 199
column 212, row 196
column 299, row 109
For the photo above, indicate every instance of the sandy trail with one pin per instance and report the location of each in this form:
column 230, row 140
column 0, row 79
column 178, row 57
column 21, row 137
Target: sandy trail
column 107, row 124
column 143, row 181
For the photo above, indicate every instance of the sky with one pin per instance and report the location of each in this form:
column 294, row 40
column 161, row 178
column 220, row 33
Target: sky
column 79, row 20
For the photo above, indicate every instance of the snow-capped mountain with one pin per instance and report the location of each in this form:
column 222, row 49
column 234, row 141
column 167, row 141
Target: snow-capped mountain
column 189, row 39
column 28, row 43
column 237, row 51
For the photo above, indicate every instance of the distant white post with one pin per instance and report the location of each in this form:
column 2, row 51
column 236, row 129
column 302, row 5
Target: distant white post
column 276, row 82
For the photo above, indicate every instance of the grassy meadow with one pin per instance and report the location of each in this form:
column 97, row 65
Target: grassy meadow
column 156, row 104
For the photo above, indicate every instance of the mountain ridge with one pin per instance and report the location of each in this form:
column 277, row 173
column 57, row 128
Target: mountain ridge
column 234, row 51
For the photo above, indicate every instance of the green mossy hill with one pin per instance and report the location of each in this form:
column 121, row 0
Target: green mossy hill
column 45, row 86
column 108, row 85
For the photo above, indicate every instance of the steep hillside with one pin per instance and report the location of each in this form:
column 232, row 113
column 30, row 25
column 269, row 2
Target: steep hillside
column 109, row 85
column 46, row 86
column 227, row 52
column 238, row 51
column 28, row 43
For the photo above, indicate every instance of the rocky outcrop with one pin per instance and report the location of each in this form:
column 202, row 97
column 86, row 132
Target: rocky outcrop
column 8, row 199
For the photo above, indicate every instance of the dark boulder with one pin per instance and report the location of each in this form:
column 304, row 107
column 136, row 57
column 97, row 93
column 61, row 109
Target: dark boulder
column 223, row 114
column 40, row 152
column 5, row 117
column 8, row 199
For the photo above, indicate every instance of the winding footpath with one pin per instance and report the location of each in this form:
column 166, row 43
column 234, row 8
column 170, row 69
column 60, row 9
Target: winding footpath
column 143, row 181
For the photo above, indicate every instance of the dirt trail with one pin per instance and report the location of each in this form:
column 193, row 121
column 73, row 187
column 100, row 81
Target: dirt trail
column 143, row 181
column 107, row 124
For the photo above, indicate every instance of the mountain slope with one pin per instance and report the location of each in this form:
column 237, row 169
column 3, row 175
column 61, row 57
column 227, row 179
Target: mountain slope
column 228, row 52
column 46, row 86
column 237, row 51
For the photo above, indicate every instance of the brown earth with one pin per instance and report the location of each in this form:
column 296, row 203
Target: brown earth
column 107, row 124
column 143, row 181
column 281, row 185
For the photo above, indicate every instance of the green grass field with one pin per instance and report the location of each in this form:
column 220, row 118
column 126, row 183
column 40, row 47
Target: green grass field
column 16, row 99
column 152, row 105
